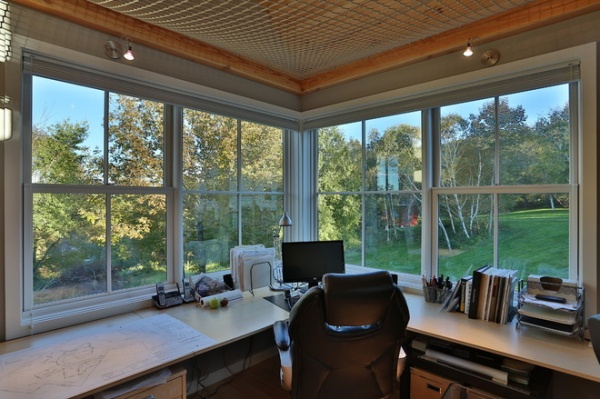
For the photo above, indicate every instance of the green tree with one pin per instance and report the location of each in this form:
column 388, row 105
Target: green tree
column 339, row 166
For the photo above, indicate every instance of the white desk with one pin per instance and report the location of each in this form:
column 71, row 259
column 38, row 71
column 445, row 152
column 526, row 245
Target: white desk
column 254, row 314
column 555, row 352
column 90, row 369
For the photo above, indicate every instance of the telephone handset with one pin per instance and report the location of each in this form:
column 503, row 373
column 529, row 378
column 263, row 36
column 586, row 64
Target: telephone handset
column 164, row 299
column 188, row 291
column 160, row 293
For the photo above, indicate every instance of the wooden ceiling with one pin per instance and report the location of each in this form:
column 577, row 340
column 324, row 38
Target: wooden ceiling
column 419, row 34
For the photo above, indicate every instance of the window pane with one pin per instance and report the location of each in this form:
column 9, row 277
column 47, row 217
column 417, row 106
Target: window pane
column 138, row 240
column 262, row 158
column 534, row 137
column 260, row 218
column 136, row 141
column 465, row 233
column 209, row 151
column 67, row 133
column 68, row 246
column 340, row 219
column 534, row 234
column 340, row 158
column 467, row 144
column 393, row 232
column 210, row 229
column 394, row 153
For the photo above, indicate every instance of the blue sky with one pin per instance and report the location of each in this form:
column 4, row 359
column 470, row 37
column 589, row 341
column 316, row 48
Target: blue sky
column 536, row 103
column 57, row 101
column 84, row 104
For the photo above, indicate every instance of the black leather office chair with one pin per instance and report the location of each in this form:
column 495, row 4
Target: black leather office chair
column 343, row 340
column 594, row 329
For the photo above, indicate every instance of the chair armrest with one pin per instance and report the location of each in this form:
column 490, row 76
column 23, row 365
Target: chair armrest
column 282, row 335
column 401, row 365
column 282, row 340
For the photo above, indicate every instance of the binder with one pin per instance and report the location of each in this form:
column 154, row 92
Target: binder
column 475, row 291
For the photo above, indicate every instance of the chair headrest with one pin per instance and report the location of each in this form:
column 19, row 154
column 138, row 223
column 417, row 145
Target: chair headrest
column 356, row 299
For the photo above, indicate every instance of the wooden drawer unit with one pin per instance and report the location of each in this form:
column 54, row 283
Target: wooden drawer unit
column 424, row 385
column 174, row 388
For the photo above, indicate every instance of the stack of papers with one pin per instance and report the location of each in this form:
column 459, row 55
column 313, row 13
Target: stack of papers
column 251, row 266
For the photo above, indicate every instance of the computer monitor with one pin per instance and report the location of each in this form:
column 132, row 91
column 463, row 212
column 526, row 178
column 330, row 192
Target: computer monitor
column 308, row 261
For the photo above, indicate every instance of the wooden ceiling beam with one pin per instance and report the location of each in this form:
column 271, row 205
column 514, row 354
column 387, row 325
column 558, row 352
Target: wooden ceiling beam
column 534, row 15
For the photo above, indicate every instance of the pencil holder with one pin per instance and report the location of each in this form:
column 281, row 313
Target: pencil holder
column 430, row 294
column 442, row 294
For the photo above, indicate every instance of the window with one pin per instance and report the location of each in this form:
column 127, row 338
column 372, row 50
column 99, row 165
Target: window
column 370, row 194
column 232, row 177
column 101, row 212
column 98, row 204
column 503, row 181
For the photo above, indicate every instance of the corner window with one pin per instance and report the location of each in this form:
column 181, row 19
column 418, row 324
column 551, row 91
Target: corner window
column 492, row 181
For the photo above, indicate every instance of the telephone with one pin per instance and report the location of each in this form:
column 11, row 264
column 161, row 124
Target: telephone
column 164, row 299
column 188, row 291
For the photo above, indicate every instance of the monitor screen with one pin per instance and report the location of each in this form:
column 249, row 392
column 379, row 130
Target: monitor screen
column 308, row 261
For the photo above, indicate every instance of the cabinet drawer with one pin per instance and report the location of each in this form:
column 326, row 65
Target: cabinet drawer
column 424, row 385
column 174, row 388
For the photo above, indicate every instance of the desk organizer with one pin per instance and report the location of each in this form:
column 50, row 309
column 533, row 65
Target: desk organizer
column 551, row 304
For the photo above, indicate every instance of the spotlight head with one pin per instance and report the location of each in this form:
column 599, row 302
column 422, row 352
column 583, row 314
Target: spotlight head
column 129, row 54
column 469, row 50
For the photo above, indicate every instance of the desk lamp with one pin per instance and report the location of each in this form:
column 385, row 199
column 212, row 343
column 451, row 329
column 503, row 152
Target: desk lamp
column 285, row 221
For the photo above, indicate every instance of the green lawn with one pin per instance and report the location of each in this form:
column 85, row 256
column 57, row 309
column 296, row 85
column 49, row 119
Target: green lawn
column 533, row 242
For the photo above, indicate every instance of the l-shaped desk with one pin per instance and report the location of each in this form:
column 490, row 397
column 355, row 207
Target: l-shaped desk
column 254, row 314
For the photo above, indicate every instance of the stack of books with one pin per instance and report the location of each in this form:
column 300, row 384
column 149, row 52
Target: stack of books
column 486, row 295
column 492, row 295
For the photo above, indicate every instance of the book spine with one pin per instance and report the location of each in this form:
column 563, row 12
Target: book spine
column 474, row 299
column 468, row 296
column 474, row 302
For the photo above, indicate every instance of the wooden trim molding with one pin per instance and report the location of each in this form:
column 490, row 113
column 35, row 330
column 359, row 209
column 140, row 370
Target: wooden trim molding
column 534, row 15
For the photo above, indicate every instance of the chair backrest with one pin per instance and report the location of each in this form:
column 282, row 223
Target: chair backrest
column 346, row 337
column 594, row 329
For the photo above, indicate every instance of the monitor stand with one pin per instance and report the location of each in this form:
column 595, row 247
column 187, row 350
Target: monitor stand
column 312, row 283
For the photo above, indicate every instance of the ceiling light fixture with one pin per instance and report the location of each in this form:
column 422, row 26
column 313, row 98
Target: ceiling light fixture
column 129, row 53
column 469, row 49
column 114, row 50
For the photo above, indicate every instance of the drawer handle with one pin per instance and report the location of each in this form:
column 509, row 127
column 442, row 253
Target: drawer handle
column 434, row 388
column 149, row 397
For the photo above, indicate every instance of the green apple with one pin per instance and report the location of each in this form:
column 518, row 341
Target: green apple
column 213, row 303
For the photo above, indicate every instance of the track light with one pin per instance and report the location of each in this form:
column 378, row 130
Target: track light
column 469, row 50
column 113, row 50
column 129, row 53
